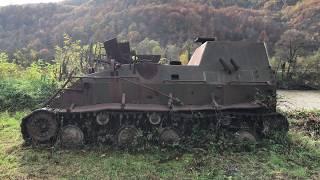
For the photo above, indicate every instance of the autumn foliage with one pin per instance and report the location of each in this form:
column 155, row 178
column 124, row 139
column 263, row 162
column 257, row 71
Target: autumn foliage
column 36, row 29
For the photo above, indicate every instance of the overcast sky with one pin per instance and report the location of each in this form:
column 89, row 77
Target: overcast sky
column 9, row 2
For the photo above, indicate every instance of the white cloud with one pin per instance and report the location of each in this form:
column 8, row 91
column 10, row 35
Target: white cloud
column 10, row 2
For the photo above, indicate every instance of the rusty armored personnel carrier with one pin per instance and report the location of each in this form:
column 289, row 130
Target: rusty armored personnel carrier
column 225, row 85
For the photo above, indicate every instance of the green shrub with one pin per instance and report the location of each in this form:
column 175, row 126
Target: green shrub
column 24, row 88
column 304, row 75
column 19, row 94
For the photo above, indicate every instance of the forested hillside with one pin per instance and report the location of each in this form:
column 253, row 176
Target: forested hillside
column 34, row 30
column 42, row 46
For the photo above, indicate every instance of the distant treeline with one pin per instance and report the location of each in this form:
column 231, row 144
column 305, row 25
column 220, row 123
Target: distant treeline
column 33, row 31
column 25, row 86
column 41, row 44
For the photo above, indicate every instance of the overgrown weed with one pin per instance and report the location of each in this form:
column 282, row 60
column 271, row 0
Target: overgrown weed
column 296, row 156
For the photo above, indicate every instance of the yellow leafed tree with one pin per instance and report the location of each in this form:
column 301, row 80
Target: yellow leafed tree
column 184, row 57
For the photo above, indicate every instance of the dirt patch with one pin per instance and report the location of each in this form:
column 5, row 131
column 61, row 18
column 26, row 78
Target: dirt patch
column 298, row 100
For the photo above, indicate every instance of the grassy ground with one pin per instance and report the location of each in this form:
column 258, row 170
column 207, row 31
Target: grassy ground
column 297, row 158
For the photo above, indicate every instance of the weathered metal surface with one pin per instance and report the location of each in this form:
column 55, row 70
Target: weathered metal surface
column 203, row 39
column 157, row 107
column 72, row 136
column 169, row 136
column 118, row 51
column 40, row 127
column 149, row 58
column 226, row 83
column 147, row 70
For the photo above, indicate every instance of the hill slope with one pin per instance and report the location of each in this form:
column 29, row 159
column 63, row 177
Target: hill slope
column 41, row 27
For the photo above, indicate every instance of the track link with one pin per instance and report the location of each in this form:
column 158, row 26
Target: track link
column 115, row 128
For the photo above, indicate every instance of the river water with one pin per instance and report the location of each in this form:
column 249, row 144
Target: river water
column 298, row 99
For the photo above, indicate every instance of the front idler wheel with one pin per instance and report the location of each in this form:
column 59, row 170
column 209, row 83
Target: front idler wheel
column 40, row 128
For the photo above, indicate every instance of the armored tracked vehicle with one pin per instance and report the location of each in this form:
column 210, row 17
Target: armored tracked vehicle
column 225, row 85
